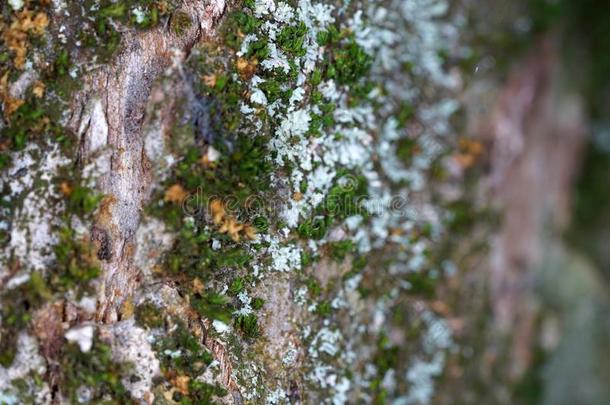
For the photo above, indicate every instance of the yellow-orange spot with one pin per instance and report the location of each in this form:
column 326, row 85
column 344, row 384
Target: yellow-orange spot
column 218, row 211
column 38, row 89
column 209, row 80
column 175, row 194
column 250, row 232
column 181, row 383
column 65, row 188
column 198, row 285
column 16, row 35
column 231, row 227
column 246, row 68
column 469, row 152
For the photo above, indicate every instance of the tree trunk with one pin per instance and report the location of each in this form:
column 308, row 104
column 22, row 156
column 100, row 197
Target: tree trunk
column 276, row 202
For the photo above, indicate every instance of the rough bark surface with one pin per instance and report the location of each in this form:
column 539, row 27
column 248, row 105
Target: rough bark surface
column 108, row 117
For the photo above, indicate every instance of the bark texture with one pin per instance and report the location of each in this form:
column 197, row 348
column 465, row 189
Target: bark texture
column 108, row 117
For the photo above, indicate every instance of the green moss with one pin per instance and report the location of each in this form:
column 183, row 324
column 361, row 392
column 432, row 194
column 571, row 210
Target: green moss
column 180, row 23
column 323, row 308
column 314, row 228
column 149, row 315
column 292, row 38
column 245, row 22
column 328, row 37
column 212, row 305
column 16, row 308
column 421, row 284
column 62, row 62
column 27, row 122
column 75, row 263
column 238, row 285
column 27, row 387
column 313, row 287
column 95, row 370
column 248, row 324
column 406, row 149
column 182, row 353
column 405, row 113
column 82, row 200
column 261, row 223
column 202, row 393
column 258, row 303
column 350, row 63
column 385, row 359
column 339, row 250
column 115, row 10
column 345, row 198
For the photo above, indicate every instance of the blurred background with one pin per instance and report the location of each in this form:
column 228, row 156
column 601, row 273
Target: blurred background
column 539, row 105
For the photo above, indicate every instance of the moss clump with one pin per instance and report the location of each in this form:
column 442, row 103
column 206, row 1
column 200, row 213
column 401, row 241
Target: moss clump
column 406, row 149
column 343, row 200
column 238, row 285
column 385, row 359
column 339, row 250
column 248, row 325
column 211, row 305
column 349, row 62
column 421, row 284
column 257, row 303
column 149, row 315
column 314, row 228
column 27, row 121
column 16, row 307
column 313, row 287
column 180, row 23
column 181, row 353
column 292, row 39
column 94, row 370
column 245, row 22
column 183, row 358
column 324, row 309
column 76, row 263
column 202, row 393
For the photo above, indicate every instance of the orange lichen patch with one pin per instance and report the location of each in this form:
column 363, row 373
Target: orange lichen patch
column 198, row 285
column 228, row 224
column 16, row 35
column 469, row 152
column 209, row 80
column 104, row 216
column 231, row 227
column 181, row 383
column 175, row 194
column 297, row 196
column 218, row 211
column 38, row 89
column 250, row 232
column 440, row 307
column 397, row 231
column 10, row 104
column 246, row 68
column 65, row 188
column 127, row 309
